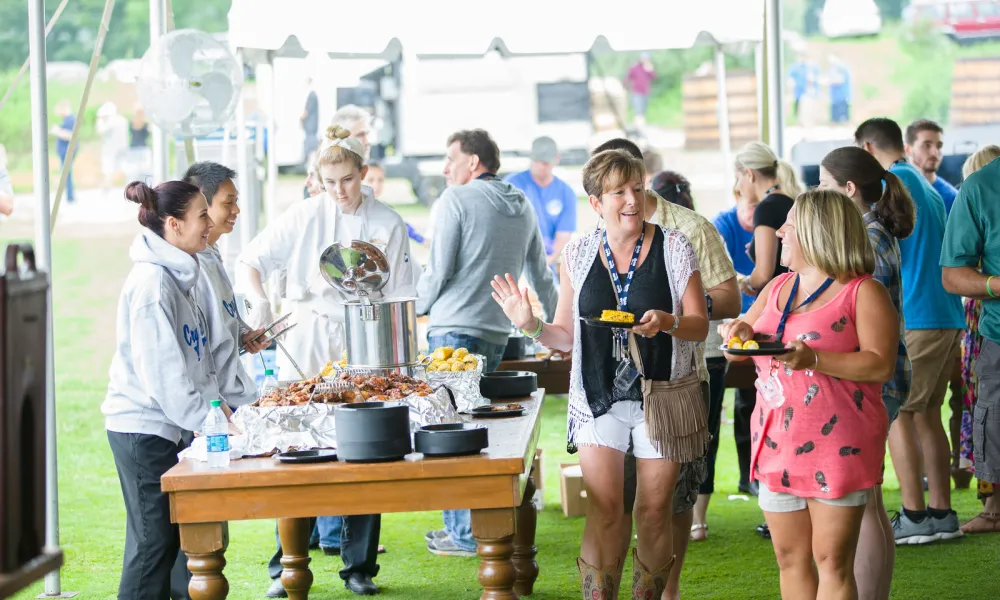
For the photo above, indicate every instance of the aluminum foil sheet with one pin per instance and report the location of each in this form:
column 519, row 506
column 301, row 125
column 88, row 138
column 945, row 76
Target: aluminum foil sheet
column 463, row 384
column 282, row 428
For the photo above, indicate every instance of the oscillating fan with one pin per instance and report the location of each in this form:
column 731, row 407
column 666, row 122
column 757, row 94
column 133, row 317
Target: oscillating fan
column 189, row 83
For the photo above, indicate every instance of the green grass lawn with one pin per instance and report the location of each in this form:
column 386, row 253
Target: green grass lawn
column 733, row 563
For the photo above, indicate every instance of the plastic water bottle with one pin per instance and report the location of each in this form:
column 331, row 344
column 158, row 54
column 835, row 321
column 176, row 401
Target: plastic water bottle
column 216, row 432
column 269, row 384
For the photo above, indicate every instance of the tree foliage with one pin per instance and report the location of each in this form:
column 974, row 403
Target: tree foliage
column 74, row 35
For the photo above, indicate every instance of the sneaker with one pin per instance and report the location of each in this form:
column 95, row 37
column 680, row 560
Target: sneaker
column 445, row 547
column 276, row 590
column 436, row 534
column 946, row 528
column 909, row 532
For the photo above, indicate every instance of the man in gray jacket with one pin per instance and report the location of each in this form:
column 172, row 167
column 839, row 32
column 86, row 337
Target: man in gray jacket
column 483, row 227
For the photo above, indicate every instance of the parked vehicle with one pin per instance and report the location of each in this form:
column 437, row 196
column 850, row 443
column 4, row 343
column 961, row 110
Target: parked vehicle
column 850, row 18
column 961, row 20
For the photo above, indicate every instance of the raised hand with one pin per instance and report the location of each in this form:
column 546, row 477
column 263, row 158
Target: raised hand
column 514, row 302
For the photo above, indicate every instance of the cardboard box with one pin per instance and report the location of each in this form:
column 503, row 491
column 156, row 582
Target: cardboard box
column 574, row 495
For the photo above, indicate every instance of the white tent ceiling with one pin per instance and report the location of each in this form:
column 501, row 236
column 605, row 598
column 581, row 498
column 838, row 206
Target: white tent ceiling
column 436, row 28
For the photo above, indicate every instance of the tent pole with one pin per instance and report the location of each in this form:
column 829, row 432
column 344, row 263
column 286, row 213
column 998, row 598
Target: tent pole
column 43, row 254
column 248, row 224
column 725, row 139
column 157, row 27
column 272, row 146
column 775, row 97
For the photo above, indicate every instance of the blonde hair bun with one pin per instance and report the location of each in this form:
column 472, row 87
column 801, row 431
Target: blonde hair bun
column 336, row 132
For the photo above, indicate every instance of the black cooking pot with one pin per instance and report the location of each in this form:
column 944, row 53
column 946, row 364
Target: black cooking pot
column 373, row 431
column 451, row 439
column 517, row 347
column 508, row 384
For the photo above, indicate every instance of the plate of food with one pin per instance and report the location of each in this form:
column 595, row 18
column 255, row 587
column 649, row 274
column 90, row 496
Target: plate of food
column 738, row 347
column 615, row 319
column 496, row 411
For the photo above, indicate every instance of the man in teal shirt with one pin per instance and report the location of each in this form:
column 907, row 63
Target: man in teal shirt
column 973, row 239
column 934, row 324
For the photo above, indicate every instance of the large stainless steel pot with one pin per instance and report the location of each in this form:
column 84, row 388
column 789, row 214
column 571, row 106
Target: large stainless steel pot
column 381, row 333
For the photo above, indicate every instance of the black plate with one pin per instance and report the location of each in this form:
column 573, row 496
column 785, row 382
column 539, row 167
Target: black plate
column 487, row 412
column 766, row 349
column 308, row 456
column 609, row 324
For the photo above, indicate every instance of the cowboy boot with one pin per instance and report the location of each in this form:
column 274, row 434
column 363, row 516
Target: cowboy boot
column 646, row 584
column 598, row 584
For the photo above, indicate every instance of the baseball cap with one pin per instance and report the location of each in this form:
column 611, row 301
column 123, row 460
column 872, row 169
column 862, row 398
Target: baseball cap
column 544, row 149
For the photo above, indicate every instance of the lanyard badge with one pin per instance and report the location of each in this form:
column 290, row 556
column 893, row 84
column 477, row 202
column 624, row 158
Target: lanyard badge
column 771, row 389
column 626, row 373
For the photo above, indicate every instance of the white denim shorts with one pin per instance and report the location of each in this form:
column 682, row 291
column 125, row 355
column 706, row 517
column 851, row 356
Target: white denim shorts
column 783, row 502
column 623, row 422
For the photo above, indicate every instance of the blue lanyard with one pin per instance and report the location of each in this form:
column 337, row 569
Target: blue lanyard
column 771, row 190
column 791, row 298
column 622, row 290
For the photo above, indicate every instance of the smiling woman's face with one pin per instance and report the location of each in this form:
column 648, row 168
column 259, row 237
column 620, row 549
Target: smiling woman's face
column 622, row 207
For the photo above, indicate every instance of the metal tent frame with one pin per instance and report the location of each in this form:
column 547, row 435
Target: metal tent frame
column 422, row 37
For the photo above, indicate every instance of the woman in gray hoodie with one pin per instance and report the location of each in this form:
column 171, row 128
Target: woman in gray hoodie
column 162, row 376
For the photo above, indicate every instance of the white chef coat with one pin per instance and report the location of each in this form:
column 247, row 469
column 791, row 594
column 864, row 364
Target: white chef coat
column 294, row 243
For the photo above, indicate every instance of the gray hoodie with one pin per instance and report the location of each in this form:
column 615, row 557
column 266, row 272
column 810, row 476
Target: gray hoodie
column 162, row 374
column 225, row 328
column 483, row 228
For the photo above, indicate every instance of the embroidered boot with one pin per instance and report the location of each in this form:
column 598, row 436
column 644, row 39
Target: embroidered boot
column 598, row 584
column 646, row 584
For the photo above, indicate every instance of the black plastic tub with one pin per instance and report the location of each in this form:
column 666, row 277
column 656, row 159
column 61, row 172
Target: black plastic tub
column 451, row 439
column 373, row 431
column 508, row 384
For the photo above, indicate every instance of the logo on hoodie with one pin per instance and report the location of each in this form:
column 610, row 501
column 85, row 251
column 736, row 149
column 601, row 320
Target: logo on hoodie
column 230, row 307
column 194, row 340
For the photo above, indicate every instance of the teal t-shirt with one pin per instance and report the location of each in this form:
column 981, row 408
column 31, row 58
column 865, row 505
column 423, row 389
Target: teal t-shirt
column 926, row 304
column 973, row 235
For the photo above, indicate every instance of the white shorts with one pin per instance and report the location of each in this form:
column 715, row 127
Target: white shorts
column 616, row 427
column 783, row 502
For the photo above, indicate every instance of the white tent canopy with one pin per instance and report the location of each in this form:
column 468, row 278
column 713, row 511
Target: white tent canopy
column 434, row 28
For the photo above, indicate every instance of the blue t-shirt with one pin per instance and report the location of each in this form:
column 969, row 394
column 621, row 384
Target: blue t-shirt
column 62, row 146
column 946, row 191
column 736, row 239
column 555, row 205
column 926, row 304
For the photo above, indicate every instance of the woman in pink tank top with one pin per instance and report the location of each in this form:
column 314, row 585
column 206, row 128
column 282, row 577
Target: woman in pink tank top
column 819, row 427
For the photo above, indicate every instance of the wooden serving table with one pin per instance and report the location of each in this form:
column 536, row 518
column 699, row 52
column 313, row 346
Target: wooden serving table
column 496, row 484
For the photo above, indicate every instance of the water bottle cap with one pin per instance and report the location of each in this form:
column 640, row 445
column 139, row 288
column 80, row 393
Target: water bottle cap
column 268, row 372
column 216, row 403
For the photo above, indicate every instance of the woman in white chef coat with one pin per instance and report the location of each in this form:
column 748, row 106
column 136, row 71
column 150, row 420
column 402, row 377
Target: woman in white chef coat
column 346, row 211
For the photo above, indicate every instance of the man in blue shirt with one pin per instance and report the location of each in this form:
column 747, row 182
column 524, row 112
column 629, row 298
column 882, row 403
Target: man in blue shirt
column 934, row 323
column 923, row 149
column 554, row 200
column 63, row 132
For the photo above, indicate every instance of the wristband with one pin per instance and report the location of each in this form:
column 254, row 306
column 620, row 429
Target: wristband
column 989, row 290
column 534, row 335
column 673, row 328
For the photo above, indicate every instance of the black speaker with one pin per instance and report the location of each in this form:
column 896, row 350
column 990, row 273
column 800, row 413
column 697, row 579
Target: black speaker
column 23, row 328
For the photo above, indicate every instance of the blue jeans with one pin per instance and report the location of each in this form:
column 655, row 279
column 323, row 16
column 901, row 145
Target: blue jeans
column 326, row 533
column 458, row 523
column 69, row 178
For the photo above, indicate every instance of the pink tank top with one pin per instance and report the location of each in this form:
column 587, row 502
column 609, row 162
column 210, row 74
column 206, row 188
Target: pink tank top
column 828, row 438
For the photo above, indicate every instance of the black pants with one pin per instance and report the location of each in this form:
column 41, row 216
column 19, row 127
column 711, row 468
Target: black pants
column 358, row 546
column 151, row 540
column 746, row 399
column 717, row 390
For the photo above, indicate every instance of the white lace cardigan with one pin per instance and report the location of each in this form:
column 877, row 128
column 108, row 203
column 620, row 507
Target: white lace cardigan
column 579, row 256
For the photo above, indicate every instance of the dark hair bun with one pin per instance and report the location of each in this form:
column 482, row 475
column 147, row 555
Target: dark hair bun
column 141, row 194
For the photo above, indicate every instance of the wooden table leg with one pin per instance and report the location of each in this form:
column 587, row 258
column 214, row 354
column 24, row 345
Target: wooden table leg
column 493, row 529
column 296, row 577
column 524, row 541
column 205, row 546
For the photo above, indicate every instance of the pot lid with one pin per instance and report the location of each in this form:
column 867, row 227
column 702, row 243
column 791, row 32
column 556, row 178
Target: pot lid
column 358, row 269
